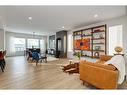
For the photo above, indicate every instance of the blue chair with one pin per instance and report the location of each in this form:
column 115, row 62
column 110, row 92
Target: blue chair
column 37, row 57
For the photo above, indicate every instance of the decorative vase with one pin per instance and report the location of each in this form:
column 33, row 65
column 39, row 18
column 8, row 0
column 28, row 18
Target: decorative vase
column 118, row 49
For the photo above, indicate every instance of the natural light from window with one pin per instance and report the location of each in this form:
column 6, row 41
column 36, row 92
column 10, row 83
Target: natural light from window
column 19, row 44
column 33, row 43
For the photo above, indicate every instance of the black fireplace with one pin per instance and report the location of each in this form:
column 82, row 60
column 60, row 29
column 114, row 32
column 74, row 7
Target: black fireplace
column 58, row 47
column 61, row 44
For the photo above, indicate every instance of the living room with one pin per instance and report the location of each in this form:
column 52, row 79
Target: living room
column 65, row 35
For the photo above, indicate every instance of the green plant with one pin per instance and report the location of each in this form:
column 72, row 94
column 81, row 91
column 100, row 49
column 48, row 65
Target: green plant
column 78, row 54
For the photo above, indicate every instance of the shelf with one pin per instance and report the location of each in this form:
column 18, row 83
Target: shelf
column 86, row 50
column 98, row 31
column 86, row 35
column 99, row 50
column 78, row 38
column 86, row 56
column 91, row 50
column 77, row 35
column 77, row 49
column 98, row 38
column 98, row 43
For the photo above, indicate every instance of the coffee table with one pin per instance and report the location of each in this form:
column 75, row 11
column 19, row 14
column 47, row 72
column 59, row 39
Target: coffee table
column 72, row 67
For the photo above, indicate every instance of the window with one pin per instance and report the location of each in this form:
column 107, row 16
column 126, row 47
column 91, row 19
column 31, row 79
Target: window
column 33, row 43
column 19, row 44
column 115, row 38
column 70, row 42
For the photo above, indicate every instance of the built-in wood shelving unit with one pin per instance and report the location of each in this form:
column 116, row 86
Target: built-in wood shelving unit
column 91, row 42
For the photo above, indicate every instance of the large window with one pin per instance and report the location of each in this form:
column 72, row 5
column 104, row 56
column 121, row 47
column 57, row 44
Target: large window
column 70, row 42
column 19, row 44
column 33, row 43
column 115, row 38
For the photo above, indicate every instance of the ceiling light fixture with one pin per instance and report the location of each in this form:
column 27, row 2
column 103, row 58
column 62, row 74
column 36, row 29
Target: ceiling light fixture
column 63, row 27
column 96, row 15
column 30, row 18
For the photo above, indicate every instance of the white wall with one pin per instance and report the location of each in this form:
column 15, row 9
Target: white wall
column 116, row 21
column 19, row 35
column 2, row 39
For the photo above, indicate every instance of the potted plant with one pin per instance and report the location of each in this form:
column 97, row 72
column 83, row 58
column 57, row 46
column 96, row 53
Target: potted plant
column 78, row 55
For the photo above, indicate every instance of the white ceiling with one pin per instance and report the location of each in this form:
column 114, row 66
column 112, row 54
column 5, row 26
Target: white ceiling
column 50, row 19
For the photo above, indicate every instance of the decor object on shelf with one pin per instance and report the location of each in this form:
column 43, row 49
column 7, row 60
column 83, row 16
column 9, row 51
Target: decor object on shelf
column 101, row 36
column 77, row 44
column 96, row 54
column 96, row 35
column 97, row 30
column 78, row 54
column 85, row 44
column 97, row 47
column 118, row 49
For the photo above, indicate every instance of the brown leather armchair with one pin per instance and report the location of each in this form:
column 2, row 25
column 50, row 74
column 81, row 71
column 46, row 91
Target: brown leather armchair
column 98, row 74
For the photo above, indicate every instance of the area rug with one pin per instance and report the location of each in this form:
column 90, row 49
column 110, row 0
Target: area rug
column 50, row 59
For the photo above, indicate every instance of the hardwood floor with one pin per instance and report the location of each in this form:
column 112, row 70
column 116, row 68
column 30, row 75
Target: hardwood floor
column 22, row 75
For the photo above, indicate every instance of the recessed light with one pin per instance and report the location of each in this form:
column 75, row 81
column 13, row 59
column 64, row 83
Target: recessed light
column 30, row 18
column 63, row 27
column 96, row 15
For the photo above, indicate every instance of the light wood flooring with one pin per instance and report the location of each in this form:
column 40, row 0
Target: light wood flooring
column 20, row 74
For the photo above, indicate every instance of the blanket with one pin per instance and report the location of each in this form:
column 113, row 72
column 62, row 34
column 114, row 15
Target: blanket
column 119, row 62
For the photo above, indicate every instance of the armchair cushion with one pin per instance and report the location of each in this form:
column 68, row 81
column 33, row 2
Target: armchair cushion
column 105, row 57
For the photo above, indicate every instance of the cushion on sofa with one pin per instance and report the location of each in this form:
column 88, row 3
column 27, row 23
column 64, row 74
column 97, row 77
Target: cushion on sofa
column 100, row 62
column 109, row 67
column 105, row 57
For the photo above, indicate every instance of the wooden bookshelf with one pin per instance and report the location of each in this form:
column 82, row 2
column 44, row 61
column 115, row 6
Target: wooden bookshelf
column 97, row 43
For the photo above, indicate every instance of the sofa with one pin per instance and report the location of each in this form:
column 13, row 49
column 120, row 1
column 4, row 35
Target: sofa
column 98, row 74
